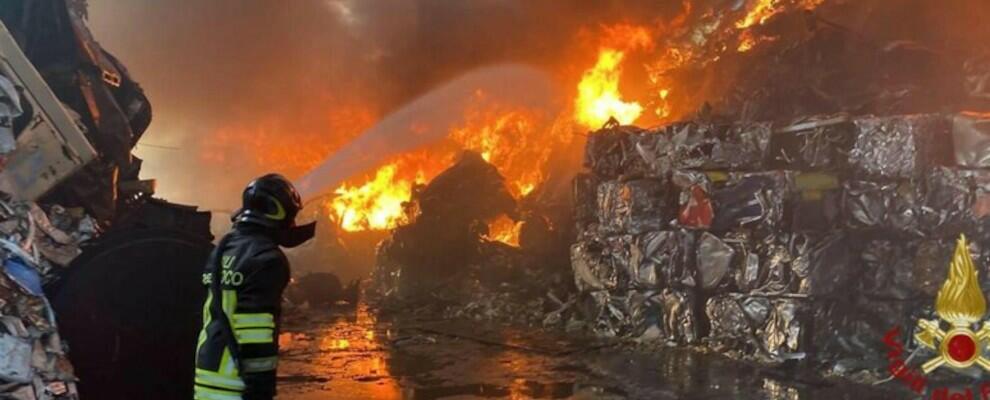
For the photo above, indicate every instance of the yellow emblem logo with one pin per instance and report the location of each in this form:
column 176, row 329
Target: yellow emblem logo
column 961, row 304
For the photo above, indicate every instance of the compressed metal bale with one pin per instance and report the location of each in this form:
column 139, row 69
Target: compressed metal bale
column 671, row 254
column 889, row 269
column 948, row 202
column 852, row 329
column 680, row 324
column 816, row 207
column 705, row 145
column 584, row 193
column 783, row 334
column 752, row 200
column 714, row 261
column 900, row 147
column 735, row 320
column 746, row 263
column 590, row 265
column 885, row 206
column 695, row 208
column 820, row 143
column 611, row 152
column 971, row 140
column 823, row 265
column 632, row 207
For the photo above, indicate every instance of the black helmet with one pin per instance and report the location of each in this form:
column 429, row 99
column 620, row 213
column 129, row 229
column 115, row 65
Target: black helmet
column 272, row 202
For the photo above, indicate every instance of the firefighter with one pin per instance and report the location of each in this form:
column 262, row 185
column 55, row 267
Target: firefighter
column 237, row 351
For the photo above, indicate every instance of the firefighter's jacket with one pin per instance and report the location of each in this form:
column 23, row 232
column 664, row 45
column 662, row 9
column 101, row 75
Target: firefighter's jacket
column 237, row 351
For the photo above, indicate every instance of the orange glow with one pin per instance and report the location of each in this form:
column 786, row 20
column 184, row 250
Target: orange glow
column 598, row 93
column 291, row 146
column 504, row 230
column 517, row 141
column 598, row 96
column 760, row 11
column 329, row 343
column 377, row 204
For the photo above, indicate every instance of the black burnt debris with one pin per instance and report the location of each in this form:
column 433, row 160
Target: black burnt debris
column 444, row 262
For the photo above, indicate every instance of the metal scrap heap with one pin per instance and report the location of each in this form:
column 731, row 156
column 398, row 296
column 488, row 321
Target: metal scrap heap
column 774, row 242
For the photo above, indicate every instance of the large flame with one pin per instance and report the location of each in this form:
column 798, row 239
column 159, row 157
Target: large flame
column 517, row 141
column 960, row 300
column 598, row 93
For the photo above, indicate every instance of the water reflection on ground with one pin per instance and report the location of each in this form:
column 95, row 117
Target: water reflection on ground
column 351, row 354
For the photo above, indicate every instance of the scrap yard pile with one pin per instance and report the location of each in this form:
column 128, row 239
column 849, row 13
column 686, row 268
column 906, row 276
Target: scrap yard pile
column 443, row 261
column 807, row 240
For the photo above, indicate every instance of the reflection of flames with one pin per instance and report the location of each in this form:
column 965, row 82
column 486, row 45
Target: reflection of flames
column 960, row 300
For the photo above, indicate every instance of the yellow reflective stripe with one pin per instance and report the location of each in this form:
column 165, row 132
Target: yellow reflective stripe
column 227, row 365
column 259, row 364
column 261, row 320
column 229, row 302
column 222, row 383
column 251, row 336
column 206, row 322
column 211, row 378
column 206, row 393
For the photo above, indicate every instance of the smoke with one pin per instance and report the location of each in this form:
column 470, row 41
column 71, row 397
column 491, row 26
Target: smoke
column 427, row 120
column 244, row 87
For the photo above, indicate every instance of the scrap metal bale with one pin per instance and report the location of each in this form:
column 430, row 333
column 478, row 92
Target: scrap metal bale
column 705, row 145
column 820, row 143
column 784, row 332
column 752, row 200
column 632, row 207
column 823, row 265
column 889, row 269
column 585, row 193
column 668, row 257
column 591, row 267
column 611, row 152
column 735, row 321
column 971, row 139
column 695, row 209
column 883, row 206
column 948, row 202
column 900, row 147
column 714, row 260
column 680, row 322
column 817, row 205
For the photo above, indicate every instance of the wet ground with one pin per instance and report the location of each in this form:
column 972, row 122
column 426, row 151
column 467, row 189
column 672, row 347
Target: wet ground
column 352, row 354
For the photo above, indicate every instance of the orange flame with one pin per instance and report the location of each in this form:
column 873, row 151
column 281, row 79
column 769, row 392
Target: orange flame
column 761, row 10
column 517, row 141
column 598, row 93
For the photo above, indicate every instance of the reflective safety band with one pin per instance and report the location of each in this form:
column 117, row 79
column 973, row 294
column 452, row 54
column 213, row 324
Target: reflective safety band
column 262, row 320
column 264, row 364
column 252, row 336
column 214, row 379
column 205, row 393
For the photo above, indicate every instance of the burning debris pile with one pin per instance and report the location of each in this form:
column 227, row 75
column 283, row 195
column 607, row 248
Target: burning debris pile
column 444, row 262
column 806, row 240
